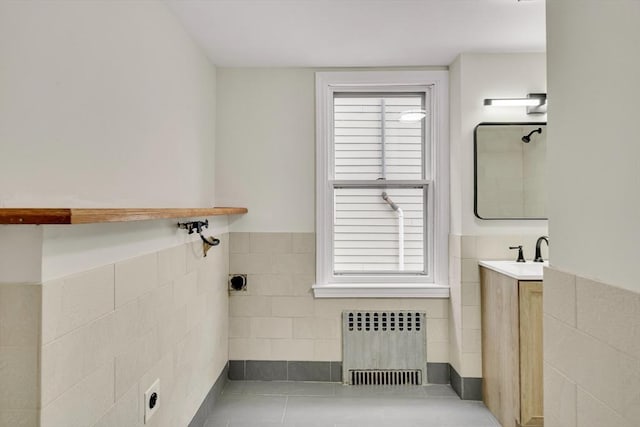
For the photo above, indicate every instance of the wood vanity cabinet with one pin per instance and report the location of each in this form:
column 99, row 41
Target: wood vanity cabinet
column 512, row 349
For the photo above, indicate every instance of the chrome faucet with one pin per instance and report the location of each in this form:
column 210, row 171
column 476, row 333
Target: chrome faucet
column 538, row 256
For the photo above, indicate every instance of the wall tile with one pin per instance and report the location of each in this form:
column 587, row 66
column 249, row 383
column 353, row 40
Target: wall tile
column 126, row 327
column 249, row 349
column 185, row 289
column 135, row 277
column 559, row 398
column 270, row 243
column 270, row 284
column 560, row 295
column 19, row 378
column 195, row 255
column 239, row 243
column 287, row 349
column 471, row 341
column 592, row 412
column 583, row 359
column 70, row 358
column 302, row 284
column 88, row 401
column 239, row 327
column 468, row 247
column 153, row 306
column 471, row 317
column 497, row 247
column 470, row 271
column 472, row 365
column 172, row 263
column 19, row 418
column 76, row 301
column 292, row 306
column 241, row 305
column 304, row 243
column 251, row 264
column 271, row 327
column 470, row 294
column 610, row 314
column 327, row 349
column 20, row 315
column 455, row 242
column 124, row 412
column 438, row 351
column 294, row 263
column 437, row 330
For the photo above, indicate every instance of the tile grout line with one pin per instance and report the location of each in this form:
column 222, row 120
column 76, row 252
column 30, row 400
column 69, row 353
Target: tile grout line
column 284, row 412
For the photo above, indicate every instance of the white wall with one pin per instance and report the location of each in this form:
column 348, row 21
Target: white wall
column 475, row 77
column 105, row 104
column 265, row 147
column 593, row 138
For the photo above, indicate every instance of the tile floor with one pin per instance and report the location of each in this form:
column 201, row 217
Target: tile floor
column 301, row 404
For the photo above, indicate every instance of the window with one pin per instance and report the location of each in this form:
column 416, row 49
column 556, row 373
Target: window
column 382, row 184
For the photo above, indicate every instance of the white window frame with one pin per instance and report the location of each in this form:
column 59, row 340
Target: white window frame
column 434, row 285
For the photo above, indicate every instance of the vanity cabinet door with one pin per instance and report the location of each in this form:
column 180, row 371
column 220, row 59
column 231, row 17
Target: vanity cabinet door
column 531, row 384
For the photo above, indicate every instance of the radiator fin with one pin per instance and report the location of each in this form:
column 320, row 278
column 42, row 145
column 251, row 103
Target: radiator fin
column 385, row 377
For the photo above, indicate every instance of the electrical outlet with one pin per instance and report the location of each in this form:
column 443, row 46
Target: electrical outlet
column 151, row 400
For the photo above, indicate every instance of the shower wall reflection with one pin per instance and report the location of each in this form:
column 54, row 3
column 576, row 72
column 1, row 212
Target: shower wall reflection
column 509, row 170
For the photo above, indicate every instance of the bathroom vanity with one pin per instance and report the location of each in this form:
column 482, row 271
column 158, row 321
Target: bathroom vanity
column 511, row 301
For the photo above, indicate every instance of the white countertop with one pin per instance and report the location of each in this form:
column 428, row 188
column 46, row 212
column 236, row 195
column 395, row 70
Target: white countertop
column 518, row 270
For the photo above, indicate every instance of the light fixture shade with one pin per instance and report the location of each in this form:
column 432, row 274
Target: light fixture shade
column 414, row 115
column 536, row 103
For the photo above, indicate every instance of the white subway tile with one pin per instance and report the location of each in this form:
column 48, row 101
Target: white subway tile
column 470, row 271
column 437, row 330
column 302, row 284
column 559, row 397
column 292, row 349
column 20, row 315
column 76, row 300
column 592, row 412
column 185, row 288
column 74, row 356
column 438, row 352
column 249, row 306
column 471, row 365
column 271, row 327
column 124, row 412
column 135, row 277
column 172, row 263
column 270, row 284
column 239, row 327
column 327, row 349
column 261, row 263
column 85, row 403
column 249, row 349
column 270, row 243
column 560, row 295
column 153, row 306
column 471, row 294
column 471, row 317
column 610, row 314
column 294, row 264
column 468, row 247
column 455, row 242
column 19, row 418
column 304, row 243
column 239, row 243
column 195, row 255
column 19, row 378
column 471, row 341
column 292, row 306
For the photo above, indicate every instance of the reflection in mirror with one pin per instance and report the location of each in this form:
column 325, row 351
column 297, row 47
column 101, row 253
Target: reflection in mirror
column 509, row 170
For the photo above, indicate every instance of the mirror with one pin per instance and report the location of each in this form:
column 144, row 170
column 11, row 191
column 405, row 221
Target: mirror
column 509, row 165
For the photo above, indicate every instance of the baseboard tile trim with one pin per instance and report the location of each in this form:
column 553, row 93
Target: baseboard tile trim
column 466, row 388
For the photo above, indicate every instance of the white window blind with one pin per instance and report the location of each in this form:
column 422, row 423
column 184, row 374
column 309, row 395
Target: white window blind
column 375, row 153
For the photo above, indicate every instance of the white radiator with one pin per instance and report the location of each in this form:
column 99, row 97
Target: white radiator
column 383, row 347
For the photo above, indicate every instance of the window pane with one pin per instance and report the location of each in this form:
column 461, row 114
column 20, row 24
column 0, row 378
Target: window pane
column 370, row 140
column 366, row 237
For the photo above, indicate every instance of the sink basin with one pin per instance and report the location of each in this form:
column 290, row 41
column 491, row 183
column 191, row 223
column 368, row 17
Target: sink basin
column 518, row 270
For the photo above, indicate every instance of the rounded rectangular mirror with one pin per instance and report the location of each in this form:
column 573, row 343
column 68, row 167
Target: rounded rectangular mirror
column 509, row 170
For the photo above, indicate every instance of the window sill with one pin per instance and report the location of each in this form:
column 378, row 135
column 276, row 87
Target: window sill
column 380, row 290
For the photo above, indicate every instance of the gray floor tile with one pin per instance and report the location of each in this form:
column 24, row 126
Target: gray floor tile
column 300, row 404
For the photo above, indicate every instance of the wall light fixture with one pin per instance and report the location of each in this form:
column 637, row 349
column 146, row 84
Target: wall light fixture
column 536, row 103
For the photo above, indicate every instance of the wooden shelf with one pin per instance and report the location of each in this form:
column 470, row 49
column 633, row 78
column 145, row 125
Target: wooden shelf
column 94, row 216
